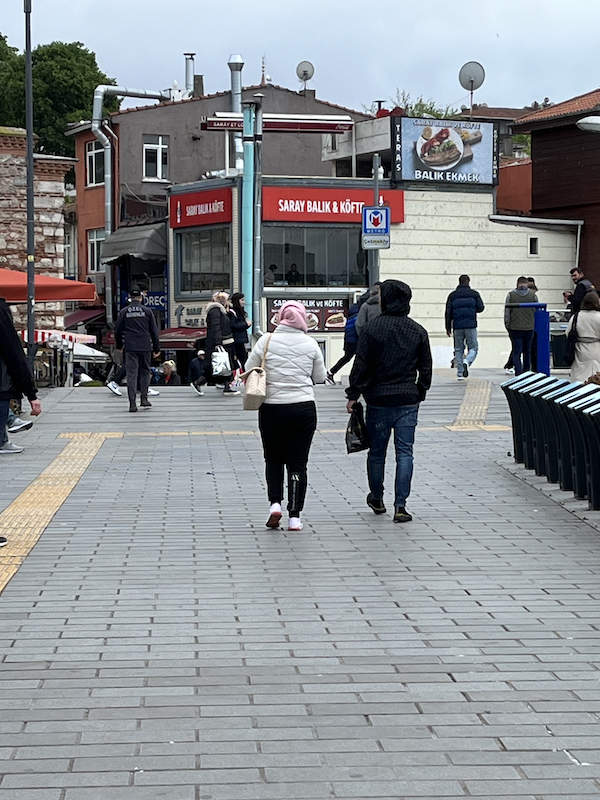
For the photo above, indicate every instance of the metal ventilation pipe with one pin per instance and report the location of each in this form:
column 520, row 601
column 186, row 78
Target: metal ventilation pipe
column 236, row 64
column 189, row 74
column 99, row 94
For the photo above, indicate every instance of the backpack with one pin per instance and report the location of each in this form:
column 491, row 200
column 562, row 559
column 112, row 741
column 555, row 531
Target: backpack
column 350, row 334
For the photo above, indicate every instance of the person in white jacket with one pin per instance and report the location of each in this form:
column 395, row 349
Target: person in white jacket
column 287, row 419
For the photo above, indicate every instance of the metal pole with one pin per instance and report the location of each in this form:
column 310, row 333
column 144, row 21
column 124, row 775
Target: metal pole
column 31, row 348
column 375, row 253
column 258, row 271
column 248, row 205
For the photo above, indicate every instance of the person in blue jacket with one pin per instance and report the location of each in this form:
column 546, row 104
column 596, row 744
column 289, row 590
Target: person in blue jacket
column 462, row 307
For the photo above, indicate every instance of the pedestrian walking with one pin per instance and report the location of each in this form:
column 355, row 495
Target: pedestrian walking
column 114, row 384
column 136, row 330
column 239, row 327
column 392, row 371
column 582, row 287
column 287, row 419
column 219, row 334
column 196, row 377
column 587, row 347
column 15, row 380
column 369, row 309
column 462, row 307
column 350, row 337
column 519, row 323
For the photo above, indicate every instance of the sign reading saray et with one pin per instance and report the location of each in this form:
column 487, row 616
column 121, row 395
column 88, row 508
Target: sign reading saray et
column 209, row 207
column 444, row 151
column 303, row 204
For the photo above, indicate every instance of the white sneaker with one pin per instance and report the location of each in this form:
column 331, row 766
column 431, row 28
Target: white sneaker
column 274, row 515
column 510, row 370
column 153, row 392
column 3, row 541
column 9, row 447
column 114, row 388
column 295, row 524
column 20, row 425
column 461, row 378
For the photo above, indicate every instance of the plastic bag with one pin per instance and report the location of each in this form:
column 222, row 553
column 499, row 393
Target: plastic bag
column 221, row 366
column 357, row 438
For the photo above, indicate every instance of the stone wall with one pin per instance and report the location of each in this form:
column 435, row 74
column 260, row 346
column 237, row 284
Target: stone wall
column 49, row 172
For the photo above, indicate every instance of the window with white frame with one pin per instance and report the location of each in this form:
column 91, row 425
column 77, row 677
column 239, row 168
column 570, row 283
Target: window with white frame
column 95, row 238
column 70, row 253
column 156, row 157
column 94, row 163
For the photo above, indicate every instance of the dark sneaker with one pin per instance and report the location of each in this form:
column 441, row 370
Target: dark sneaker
column 375, row 505
column 146, row 404
column 465, row 370
column 3, row 541
column 132, row 409
column 401, row 514
column 330, row 378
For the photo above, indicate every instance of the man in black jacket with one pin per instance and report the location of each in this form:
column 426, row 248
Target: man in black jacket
column 15, row 378
column 462, row 307
column 582, row 287
column 392, row 371
column 136, row 327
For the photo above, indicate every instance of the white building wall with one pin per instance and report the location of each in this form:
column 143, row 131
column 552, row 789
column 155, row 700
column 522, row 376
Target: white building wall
column 446, row 234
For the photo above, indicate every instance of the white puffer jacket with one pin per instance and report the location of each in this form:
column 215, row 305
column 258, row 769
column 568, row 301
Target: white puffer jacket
column 293, row 364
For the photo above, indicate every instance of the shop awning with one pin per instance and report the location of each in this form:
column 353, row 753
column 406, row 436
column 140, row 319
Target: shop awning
column 141, row 241
column 83, row 353
column 40, row 337
column 13, row 288
column 83, row 315
column 180, row 338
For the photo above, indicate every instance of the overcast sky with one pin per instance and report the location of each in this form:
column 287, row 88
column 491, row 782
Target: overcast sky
column 361, row 51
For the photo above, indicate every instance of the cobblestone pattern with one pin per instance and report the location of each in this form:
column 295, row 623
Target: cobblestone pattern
column 158, row 642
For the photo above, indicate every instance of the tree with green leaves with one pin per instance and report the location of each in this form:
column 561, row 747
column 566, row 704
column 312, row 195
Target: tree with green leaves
column 64, row 79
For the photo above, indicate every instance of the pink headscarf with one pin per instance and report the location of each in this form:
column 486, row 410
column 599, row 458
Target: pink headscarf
column 293, row 314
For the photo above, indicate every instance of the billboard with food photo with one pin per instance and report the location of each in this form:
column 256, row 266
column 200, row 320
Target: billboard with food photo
column 442, row 151
column 323, row 315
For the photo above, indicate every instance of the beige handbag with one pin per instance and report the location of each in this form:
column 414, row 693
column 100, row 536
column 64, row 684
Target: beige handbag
column 255, row 383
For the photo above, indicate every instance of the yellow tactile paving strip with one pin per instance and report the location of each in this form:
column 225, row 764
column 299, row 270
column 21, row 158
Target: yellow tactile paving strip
column 474, row 407
column 27, row 517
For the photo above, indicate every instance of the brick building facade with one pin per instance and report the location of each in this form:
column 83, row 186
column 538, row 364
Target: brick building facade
column 49, row 200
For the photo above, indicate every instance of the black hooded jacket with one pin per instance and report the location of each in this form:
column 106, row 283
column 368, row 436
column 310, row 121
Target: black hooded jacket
column 15, row 376
column 393, row 364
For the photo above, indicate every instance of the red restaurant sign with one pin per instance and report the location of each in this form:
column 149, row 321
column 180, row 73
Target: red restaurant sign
column 200, row 208
column 302, row 204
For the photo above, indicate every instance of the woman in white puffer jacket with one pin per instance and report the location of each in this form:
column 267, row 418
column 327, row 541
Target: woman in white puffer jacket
column 287, row 419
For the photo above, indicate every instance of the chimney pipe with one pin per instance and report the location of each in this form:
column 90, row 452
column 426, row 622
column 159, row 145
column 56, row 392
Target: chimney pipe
column 189, row 74
column 235, row 65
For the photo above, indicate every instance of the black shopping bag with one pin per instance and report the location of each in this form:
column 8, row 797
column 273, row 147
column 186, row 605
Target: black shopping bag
column 357, row 438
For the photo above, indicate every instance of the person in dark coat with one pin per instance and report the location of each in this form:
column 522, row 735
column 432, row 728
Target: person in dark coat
column 462, row 307
column 219, row 334
column 239, row 327
column 170, row 376
column 582, row 287
column 392, row 370
column 136, row 329
column 16, row 380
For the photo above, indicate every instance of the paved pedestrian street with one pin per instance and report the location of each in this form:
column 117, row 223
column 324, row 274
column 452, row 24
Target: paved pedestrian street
column 156, row 641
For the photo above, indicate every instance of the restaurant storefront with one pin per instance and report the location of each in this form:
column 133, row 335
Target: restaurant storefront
column 311, row 249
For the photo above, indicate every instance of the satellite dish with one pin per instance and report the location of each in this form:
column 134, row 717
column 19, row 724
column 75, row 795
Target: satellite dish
column 471, row 77
column 305, row 71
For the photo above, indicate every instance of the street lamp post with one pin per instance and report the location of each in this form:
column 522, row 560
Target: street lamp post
column 589, row 124
column 30, row 205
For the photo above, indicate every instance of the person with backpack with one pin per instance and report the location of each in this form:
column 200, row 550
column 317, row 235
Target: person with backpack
column 350, row 337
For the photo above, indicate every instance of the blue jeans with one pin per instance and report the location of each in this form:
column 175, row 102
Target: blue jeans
column 521, row 346
column 462, row 337
column 380, row 422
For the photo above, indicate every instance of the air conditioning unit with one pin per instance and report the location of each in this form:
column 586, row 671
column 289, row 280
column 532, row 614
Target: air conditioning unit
column 100, row 281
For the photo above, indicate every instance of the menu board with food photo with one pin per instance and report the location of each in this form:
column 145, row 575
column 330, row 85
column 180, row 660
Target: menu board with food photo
column 323, row 315
column 445, row 151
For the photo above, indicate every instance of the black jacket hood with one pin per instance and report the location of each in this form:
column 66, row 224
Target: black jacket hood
column 395, row 298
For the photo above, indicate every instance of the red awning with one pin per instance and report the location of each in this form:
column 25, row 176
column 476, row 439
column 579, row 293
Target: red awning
column 180, row 338
column 83, row 315
column 13, row 288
